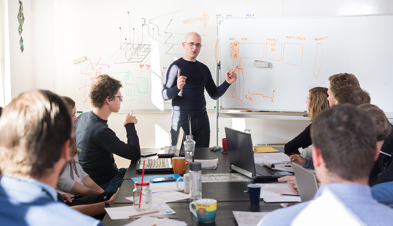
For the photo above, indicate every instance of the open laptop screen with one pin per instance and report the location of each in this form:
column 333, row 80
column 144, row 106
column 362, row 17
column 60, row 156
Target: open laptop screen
column 180, row 139
column 240, row 149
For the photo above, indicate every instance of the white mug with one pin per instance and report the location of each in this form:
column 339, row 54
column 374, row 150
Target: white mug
column 186, row 179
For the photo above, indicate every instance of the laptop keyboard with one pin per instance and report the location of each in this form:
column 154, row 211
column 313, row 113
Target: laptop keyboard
column 155, row 165
column 158, row 163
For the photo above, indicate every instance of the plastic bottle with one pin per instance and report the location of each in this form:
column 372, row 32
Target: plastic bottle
column 189, row 148
column 195, row 181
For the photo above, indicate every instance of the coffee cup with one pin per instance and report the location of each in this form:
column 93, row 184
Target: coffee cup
column 254, row 191
column 205, row 210
column 186, row 179
column 179, row 165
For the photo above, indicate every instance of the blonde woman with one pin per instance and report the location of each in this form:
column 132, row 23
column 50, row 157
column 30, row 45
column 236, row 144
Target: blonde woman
column 316, row 102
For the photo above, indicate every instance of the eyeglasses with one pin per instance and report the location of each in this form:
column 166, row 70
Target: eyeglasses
column 198, row 45
column 120, row 98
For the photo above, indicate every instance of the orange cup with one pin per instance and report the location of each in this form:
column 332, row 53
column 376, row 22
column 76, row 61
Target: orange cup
column 179, row 165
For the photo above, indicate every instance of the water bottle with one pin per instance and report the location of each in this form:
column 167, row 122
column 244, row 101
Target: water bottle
column 189, row 148
column 195, row 181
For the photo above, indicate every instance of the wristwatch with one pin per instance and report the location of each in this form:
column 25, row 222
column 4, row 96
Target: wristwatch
column 107, row 204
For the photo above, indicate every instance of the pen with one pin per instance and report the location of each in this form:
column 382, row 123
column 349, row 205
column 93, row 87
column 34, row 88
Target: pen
column 233, row 71
column 144, row 214
column 282, row 194
column 132, row 112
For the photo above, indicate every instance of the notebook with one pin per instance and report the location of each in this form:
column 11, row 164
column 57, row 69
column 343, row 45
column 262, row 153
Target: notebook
column 241, row 157
column 306, row 182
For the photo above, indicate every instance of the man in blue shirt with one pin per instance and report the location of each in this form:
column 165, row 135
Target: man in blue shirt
column 185, row 82
column 345, row 147
column 35, row 133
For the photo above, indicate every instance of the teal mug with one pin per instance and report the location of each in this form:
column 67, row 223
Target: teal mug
column 205, row 210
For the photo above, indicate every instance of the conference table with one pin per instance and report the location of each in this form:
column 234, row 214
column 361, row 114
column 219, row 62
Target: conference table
column 230, row 196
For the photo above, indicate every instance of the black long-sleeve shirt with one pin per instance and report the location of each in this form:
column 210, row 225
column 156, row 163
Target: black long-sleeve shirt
column 191, row 99
column 385, row 162
column 98, row 143
column 302, row 140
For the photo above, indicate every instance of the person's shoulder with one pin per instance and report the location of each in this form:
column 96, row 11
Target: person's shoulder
column 282, row 216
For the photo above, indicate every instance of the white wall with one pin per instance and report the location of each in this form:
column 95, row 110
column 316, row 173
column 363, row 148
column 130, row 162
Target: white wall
column 35, row 67
column 21, row 63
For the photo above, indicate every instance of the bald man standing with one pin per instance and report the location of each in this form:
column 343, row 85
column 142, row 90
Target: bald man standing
column 185, row 82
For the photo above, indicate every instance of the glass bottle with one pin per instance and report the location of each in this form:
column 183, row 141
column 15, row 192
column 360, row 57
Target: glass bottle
column 144, row 189
column 195, row 181
column 189, row 148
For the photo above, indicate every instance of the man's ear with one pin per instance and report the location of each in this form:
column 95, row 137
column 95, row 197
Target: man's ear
column 377, row 150
column 65, row 152
column 183, row 44
column 107, row 101
column 316, row 157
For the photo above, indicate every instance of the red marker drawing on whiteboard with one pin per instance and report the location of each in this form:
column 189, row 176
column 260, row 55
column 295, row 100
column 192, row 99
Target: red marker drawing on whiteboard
column 233, row 71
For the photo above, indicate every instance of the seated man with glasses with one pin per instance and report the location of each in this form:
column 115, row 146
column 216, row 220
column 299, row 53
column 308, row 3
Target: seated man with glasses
column 185, row 82
column 97, row 142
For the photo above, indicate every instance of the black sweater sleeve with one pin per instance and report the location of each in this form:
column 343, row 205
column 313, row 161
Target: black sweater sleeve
column 302, row 140
column 113, row 144
column 214, row 91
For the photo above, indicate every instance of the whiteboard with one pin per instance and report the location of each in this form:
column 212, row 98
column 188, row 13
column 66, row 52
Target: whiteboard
column 304, row 53
column 135, row 41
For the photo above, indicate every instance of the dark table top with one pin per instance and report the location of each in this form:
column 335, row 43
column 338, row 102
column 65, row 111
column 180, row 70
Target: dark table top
column 224, row 213
column 230, row 195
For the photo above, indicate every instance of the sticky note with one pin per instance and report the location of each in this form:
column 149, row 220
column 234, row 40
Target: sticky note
column 265, row 150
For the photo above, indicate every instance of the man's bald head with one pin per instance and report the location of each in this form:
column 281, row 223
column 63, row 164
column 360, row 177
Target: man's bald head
column 192, row 45
column 192, row 36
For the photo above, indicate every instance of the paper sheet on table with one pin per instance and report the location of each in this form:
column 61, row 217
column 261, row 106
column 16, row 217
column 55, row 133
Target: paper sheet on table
column 149, row 221
column 248, row 218
column 272, row 193
column 160, row 187
column 271, row 157
column 164, row 197
column 224, row 177
column 208, row 163
column 124, row 212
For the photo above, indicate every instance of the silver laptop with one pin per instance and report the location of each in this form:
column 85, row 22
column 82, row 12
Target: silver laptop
column 241, row 157
column 306, row 182
column 174, row 150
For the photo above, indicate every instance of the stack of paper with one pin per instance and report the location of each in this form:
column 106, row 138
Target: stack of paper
column 149, row 221
column 248, row 218
column 278, row 166
column 272, row 158
column 272, row 193
column 126, row 212
column 208, row 163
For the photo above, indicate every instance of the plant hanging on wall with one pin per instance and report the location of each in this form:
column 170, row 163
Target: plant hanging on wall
column 21, row 19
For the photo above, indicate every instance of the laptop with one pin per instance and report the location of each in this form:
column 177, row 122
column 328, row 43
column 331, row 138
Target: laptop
column 306, row 182
column 174, row 151
column 241, row 157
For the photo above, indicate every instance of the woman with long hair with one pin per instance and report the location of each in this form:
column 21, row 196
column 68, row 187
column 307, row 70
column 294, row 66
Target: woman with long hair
column 316, row 102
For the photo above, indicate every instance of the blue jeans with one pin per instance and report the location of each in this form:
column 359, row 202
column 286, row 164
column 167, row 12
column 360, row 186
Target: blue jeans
column 200, row 129
column 116, row 181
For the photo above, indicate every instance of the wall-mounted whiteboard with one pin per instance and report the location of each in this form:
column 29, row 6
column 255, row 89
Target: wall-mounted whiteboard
column 302, row 54
column 135, row 41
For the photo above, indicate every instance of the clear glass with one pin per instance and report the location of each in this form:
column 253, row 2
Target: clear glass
column 195, row 185
column 146, row 200
column 189, row 148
